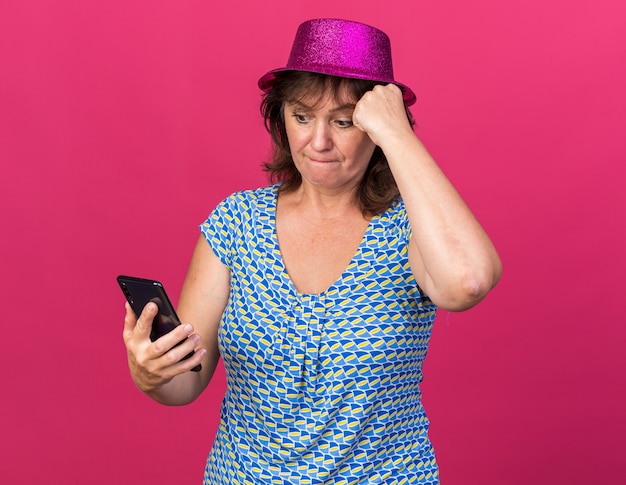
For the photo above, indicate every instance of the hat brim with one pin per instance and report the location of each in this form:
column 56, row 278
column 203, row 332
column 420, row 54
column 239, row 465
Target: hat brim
column 266, row 82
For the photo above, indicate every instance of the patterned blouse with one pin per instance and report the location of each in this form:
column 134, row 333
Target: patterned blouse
column 322, row 388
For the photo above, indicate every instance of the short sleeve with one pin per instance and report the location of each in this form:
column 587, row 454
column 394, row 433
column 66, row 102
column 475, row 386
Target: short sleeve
column 219, row 229
column 396, row 222
column 402, row 220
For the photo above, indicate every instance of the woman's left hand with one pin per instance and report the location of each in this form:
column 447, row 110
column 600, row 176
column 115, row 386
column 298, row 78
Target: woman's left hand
column 381, row 114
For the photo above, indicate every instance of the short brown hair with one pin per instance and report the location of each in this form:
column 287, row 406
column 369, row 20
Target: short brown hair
column 378, row 189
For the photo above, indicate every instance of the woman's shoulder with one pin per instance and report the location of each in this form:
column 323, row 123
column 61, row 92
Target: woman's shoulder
column 252, row 195
column 236, row 211
column 248, row 201
column 395, row 212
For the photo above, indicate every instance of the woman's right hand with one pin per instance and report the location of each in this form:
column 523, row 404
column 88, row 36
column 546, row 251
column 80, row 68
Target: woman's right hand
column 154, row 364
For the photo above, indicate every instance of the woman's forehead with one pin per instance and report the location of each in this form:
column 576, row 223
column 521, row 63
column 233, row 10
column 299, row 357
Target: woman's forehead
column 340, row 97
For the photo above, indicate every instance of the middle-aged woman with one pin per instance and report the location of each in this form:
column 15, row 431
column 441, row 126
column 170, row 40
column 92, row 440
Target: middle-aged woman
column 319, row 291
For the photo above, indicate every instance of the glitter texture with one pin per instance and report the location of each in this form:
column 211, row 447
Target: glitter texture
column 341, row 48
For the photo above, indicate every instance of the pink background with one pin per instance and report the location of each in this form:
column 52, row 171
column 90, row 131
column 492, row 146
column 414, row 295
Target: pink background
column 122, row 123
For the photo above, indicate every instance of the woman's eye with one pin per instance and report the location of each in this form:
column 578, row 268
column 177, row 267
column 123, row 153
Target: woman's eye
column 300, row 118
column 344, row 123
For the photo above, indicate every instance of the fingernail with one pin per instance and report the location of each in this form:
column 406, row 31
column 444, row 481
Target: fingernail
column 188, row 328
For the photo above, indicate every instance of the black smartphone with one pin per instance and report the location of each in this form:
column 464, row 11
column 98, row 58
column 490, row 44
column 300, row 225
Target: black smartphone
column 139, row 292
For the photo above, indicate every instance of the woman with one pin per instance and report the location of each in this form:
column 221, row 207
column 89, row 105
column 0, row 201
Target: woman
column 319, row 292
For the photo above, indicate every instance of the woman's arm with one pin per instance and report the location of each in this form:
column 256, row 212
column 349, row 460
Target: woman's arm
column 156, row 367
column 452, row 258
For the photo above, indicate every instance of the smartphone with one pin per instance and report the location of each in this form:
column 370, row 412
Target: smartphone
column 139, row 292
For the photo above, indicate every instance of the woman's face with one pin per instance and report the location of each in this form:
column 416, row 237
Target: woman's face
column 327, row 149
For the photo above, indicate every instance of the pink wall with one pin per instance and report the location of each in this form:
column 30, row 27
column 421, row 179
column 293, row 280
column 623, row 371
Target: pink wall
column 122, row 123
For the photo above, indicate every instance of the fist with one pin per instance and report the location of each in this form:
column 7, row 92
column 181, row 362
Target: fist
column 381, row 113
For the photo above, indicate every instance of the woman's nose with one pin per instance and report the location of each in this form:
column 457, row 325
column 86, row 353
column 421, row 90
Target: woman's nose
column 321, row 137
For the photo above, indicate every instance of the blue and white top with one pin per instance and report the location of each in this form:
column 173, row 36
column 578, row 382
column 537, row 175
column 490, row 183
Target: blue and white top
column 322, row 388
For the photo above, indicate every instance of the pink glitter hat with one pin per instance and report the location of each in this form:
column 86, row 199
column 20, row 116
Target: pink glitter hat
column 341, row 48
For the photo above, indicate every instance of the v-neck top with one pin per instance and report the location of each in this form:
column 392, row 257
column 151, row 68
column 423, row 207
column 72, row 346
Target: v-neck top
column 321, row 388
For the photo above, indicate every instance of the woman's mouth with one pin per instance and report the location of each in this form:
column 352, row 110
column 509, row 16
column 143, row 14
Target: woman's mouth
column 316, row 160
